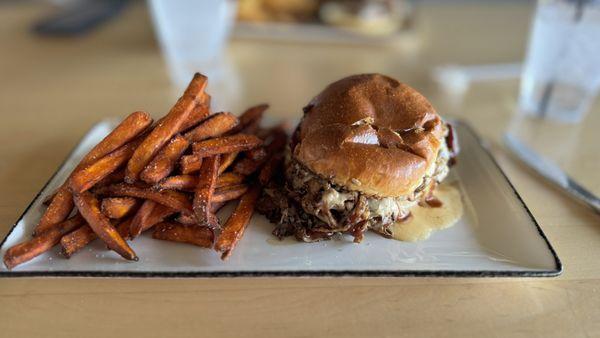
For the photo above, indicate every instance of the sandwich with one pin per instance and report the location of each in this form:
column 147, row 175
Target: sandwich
column 367, row 149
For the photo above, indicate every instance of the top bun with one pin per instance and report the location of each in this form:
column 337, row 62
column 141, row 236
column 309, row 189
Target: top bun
column 372, row 134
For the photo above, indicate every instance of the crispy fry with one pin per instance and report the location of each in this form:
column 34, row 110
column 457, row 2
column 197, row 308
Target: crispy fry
column 216, row 125
column 179, row 182
column 141, row 216
column 36, row 246
column 165, row 129
column 256, row 158
column 76, row 240
column 118, row 207
column 61, row 206
column 199, row 113
column 88, row 206
column 114, row 177
column 196, row 86
column 132, row 126
column 226, row 144
column 58, row 210
column 253, row 160
column 48, row 199
column 189, row 182
column 229, row 193
column 201, row 109
column 204, row 190
column 228, row 179
column 172, row 199
column 227, row 160
column 146, row 219
column 234, row 228
column 81, row 237
column 267, row 171
column 250, row 119
column 190, row 164
column 257, row 154
column 192, row 234
column 187, row 219
column 191, row 219
column 164, row 163
column 159, row 213
column 247, row 166
column 87, row 177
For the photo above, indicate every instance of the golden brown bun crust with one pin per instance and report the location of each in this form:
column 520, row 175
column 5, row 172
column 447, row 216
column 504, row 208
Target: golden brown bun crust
column 370, row 133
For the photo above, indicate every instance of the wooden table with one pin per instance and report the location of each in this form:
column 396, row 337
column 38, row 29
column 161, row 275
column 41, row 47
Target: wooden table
column 53, row 90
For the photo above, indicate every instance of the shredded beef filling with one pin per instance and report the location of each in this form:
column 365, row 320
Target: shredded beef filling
column 311, row 208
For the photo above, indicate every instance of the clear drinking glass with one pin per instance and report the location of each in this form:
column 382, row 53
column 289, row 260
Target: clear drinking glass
column 561, row 74
column 192, row 35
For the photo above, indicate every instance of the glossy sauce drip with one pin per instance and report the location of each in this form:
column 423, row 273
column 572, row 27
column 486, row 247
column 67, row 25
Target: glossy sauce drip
column 439, row 212
column 431, row 202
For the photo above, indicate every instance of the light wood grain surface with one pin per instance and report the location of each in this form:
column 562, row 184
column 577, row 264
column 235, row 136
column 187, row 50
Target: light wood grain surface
column 52, row 90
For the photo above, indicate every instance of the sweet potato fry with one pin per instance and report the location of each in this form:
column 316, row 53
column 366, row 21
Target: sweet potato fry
column 191, row 234
column 170, row 125
column 58, row 210
column 61, row 206
column 267, row 171
column 189, row 182
column 78, row 239
column 187, row 219
column 132, row 126
column 36, row 246
column 141, row 216
column 255, row 158
column 252, row 162
column 226, row 144
column 166, row 159
column 114, row 177
column 172, row 199
column 118, row 207
column 250, row 119
column 147, row 217
column 179, row 182
column 89, row 207
column 229, row 193
column 190, row 164
column 234, row 227
column 159, row 213
column 196, row 86
column 48, row 199
column 85, row 178
column 257, row 154
column 204, row 190
column 200, row 112
column 227, row 160
column 228, row 179
column 216, row 125
column 190, row 219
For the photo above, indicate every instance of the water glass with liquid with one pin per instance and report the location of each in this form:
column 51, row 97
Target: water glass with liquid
column 561, row 73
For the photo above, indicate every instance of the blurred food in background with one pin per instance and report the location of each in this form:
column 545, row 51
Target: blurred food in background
column 366, row 17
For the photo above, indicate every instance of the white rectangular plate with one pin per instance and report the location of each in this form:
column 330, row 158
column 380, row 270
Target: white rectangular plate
column 497, row 236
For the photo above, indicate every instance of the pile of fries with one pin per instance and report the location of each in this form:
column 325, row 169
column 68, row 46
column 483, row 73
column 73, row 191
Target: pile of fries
column 171, row 176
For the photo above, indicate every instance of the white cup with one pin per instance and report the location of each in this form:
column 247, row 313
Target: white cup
column 192, row 35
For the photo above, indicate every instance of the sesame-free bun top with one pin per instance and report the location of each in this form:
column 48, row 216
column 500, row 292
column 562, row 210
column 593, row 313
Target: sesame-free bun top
column 370, row 133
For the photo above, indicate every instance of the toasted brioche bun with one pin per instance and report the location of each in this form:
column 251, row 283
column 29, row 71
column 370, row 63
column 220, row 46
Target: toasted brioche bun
column 370, row 133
